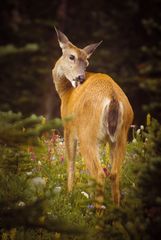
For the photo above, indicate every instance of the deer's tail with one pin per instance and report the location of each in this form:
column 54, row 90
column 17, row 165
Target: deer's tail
column 112, row 119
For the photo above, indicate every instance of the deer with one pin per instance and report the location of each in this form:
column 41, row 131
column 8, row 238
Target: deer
column 100, row 113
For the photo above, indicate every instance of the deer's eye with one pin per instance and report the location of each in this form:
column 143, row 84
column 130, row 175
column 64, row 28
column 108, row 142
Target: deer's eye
column 72, row 57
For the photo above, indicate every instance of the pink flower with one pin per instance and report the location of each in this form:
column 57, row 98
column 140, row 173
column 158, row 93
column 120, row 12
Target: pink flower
column 106, row 171
column 62, row 159
column 54, row 138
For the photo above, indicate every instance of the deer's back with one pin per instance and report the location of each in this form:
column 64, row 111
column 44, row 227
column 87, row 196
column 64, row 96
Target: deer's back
column 86, row 102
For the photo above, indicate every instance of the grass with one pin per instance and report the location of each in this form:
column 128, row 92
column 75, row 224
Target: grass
column 76, row 207
column 34, row 200
column 46, row 178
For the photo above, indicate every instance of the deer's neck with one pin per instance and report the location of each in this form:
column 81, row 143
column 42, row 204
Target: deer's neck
column 62, row 84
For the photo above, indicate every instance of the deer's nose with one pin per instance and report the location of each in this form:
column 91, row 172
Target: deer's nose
column 81, row 78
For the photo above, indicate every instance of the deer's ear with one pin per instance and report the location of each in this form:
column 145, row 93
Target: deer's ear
column 91, row 48
column 62, row 39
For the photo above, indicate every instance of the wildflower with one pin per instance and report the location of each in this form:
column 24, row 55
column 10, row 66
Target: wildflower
column 62, row 159
column 90, row 206
column 57, row 189
column 142, row 127
column 28, row 173
column 103, row 207
column 53, row 158
column 21, row 204
column 85, row 194
column 134, row 140
column 39, row 181
column 49, row 213
column 39, row 163
column 138, row 131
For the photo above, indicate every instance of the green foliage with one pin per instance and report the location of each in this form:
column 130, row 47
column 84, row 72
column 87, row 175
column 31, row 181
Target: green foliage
column 33, row 195
column 139, row 215
column 150, row 67
column 17, row 129
column 23, row 181
column 11, row 49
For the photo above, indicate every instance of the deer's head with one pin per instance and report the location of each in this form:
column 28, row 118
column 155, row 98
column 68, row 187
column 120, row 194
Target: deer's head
column 74, row 60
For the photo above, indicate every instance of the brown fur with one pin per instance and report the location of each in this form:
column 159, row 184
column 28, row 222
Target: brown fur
column 98, row 96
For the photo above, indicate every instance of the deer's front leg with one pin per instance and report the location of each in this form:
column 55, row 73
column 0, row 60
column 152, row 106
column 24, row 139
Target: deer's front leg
column 70, row 145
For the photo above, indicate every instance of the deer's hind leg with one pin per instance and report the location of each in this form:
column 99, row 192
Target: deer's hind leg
column 90, row 152
column 117, row 154
column 70, row 146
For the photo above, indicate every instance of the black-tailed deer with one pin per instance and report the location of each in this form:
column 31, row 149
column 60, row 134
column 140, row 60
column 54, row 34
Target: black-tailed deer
column 100, row 112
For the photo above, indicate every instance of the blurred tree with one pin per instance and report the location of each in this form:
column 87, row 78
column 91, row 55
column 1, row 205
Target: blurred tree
column 26, row 57
column 130, row 29
column 149, row 69
column 21, row 204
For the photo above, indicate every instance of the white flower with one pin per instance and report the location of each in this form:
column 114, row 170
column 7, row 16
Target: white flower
column 39, row 163
column 134, row 140
column 39, row 181
column 53, row 158
column 138, row 131
column 142, row 127
column 28, row 173
column 21, row 204
column 85, row 194
column 57, row 189
column 103, row 207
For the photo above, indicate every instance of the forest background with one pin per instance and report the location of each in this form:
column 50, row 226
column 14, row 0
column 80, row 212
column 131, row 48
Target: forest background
column 130, row 52
column 34, row 203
